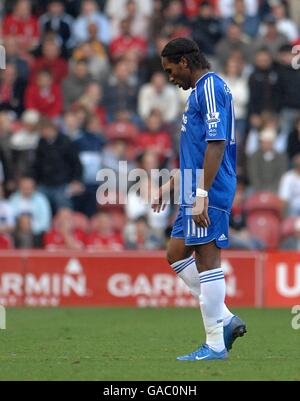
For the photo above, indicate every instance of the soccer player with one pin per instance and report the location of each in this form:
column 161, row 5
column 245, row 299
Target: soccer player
column 207, row 187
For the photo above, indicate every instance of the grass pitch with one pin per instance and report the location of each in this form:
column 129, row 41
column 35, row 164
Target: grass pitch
column 141, row 344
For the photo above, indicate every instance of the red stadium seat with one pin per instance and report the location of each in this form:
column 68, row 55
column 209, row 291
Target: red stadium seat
column 80, row 220
column 264, row 201
column 290, row 226
column 6, row 242
column 265, row 225
column 118, row 220
column 121, row 130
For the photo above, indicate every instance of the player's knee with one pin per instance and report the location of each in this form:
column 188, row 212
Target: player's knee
column 170, row 257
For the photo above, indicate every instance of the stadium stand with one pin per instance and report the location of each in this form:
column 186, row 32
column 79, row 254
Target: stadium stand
column 83, row 89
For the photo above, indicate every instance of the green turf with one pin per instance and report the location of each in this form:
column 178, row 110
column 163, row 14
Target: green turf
column 141, row 344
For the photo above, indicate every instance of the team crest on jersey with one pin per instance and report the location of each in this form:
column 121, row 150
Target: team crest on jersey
column 227, row 89
column 213, row 117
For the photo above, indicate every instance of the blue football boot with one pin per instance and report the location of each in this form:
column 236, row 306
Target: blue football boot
column 203, row 353
column 234, row 329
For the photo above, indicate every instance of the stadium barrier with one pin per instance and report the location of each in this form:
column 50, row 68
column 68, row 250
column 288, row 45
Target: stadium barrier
column 140, row 279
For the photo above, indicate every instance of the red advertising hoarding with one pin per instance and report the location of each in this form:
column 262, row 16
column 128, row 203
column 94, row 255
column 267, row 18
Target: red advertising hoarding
column 124, row 279
column 282, row 279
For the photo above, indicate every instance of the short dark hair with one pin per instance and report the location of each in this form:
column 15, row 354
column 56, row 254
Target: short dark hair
column 184, row 47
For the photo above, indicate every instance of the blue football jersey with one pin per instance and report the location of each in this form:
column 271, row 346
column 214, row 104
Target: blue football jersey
column 208, row 116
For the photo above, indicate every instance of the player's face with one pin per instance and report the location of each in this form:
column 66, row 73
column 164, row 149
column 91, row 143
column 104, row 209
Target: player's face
column 178, row 74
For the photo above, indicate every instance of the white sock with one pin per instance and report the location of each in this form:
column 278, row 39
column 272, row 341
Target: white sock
column 227, row 315
column 212, row 284
column 186, row 269
column 189, row 274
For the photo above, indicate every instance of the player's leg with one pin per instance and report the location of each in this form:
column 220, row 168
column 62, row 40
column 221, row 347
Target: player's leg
column 211, row 299
column 180, row 256
column 183, row 263
column 212, row 287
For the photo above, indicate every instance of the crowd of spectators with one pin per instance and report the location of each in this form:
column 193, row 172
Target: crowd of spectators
column 83, row 89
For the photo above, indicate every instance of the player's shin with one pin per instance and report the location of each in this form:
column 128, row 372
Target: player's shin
column 212, row 307
column 186, row 269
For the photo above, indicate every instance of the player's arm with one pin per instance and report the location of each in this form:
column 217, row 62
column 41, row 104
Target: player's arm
column 212, row 109
column 159, row 202
column 213, row 159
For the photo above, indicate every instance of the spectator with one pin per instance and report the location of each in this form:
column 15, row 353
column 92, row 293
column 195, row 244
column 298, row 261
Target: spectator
column 120, row 92
column 206, row 28
column 289, row 188
column 237, row 82
column 7, row 126
column 89, row 146
column 234, row 40
column 23, row 235
column 75, row 83
column 27, row 200
column 64, row 235
column 289, row 94
column 191, row 7
column 152, row 64
column 266, row 166
column 44, row 96
column 57, row 167
column 117, row 9
column 155, row 138
column 265, row 121
column 11, row 90
column 126, row 42
column 91, row 100
column 13, row 57
column 240, row 237
column 6, row 167
column 50, row 61
column 138, row 235
column 158, row 94
column 90, row 13
column 103, row 237
column 269, row 37
column 58, row 21
column 226, row 7
column 284, row 25
column 23, row 25
column 139, row 22
column 264, row 84
column 176, row 23
column 294, row 140
column 24, row 142
column 7, row 218
column 139, row 197
column 294, row 8
column 98, row 64
column 71, row 126
column 249, row 23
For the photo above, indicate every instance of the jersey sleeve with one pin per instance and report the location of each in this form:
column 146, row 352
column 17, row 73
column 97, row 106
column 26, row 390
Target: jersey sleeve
column 213, row 111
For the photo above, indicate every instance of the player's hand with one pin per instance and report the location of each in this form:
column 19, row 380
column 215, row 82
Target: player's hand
column 158, row 203
column 200, row 212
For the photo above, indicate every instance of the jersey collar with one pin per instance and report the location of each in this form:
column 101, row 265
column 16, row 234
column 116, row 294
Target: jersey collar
column 209, row 72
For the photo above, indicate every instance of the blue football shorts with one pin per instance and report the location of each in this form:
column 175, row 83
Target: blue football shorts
column 184, row 227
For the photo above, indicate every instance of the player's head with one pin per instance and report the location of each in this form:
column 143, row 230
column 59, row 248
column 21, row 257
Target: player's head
column 180, row 59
